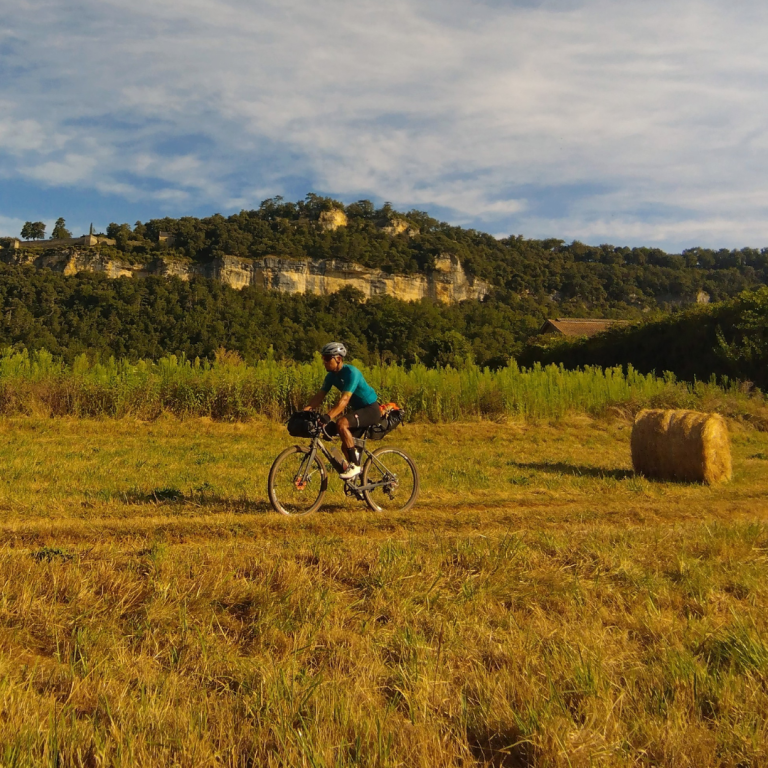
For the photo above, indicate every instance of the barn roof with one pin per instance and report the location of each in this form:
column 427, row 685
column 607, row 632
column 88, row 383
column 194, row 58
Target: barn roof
column 578, row 326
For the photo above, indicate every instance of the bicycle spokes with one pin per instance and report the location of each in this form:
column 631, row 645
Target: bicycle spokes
column 296, row 482
column 390, row 481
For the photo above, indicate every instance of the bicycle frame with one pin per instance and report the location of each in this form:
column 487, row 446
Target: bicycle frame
column 318, row 446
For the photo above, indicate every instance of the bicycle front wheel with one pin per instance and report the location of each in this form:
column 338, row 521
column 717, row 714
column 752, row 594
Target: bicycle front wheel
column 296, row 486
column 396, row 479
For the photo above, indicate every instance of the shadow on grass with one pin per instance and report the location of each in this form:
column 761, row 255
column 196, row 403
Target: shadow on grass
column 169, row 496
column 501, row 750
column 237, row 505
column 561, row 468
column 48, row 554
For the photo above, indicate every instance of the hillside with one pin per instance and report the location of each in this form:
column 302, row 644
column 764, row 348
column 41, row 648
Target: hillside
column 599, row 277
column 395, row 286
column 570, row 279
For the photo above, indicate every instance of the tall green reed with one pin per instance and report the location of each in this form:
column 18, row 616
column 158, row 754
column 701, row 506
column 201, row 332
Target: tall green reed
column 227, row 389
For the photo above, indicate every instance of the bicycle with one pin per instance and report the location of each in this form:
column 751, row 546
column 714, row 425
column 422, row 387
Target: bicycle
column 298, row 479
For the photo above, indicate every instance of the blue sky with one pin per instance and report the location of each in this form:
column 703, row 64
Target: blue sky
column 634, row 122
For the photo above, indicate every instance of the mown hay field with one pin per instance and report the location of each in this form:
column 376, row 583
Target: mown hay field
column 540, row 606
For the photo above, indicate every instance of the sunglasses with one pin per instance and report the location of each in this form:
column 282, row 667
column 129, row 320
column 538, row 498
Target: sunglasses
column 328, row 358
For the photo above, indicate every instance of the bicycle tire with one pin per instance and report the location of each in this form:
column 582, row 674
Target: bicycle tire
column 382, row 499
column 299, row 506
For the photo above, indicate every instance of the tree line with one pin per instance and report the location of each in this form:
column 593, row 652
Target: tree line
column 148, row 318
column 35, row 230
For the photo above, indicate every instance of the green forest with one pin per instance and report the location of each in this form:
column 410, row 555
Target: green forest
column 532, row 280
column 134, row 319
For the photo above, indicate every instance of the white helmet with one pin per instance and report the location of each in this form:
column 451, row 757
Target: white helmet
column 333, row 348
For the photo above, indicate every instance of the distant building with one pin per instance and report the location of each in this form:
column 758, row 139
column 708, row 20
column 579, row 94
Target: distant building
column 578, row 326
column 166, row 237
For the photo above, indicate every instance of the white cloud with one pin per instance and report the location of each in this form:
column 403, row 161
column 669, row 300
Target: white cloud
column 73, row 168
column 20, row 135
column 10, row 226
column 640, row 120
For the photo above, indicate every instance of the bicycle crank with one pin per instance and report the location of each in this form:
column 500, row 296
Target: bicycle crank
column 351, row 490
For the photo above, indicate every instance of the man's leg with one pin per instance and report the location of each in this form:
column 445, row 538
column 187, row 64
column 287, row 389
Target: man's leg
column 348, row 446
column 361, row 418
column 347, row 440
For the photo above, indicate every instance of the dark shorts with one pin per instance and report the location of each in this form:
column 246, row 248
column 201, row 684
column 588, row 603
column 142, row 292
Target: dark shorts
column 364, row 417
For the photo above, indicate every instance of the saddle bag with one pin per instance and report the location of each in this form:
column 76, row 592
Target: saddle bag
column 391, row 419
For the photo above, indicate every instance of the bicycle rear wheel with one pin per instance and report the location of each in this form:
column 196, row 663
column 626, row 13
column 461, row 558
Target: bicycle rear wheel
column 397, row 481
column 295, row 486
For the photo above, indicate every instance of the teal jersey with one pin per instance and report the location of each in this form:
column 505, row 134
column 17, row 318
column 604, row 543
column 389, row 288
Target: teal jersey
column 349, row 379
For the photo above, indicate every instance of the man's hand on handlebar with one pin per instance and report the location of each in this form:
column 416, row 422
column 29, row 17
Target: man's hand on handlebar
column 328, row 427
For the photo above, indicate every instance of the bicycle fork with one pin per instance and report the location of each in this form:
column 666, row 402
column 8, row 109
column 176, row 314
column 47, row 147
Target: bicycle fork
column 301, row 478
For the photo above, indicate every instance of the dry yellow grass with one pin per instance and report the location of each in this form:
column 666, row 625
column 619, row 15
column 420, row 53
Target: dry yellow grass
column 541, row 605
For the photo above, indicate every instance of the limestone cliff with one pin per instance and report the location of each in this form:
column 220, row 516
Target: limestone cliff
column 332, row 220
column 397, row 226
column 447, row 283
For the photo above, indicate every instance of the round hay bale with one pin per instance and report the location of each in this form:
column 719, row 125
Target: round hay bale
column 681, row 445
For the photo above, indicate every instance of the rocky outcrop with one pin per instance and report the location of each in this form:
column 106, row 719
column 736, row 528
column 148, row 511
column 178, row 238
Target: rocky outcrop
column 447, row 283
column 332, row 220
column 397, row 226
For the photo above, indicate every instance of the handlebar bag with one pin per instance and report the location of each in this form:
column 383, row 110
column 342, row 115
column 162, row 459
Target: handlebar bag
column 303, row 424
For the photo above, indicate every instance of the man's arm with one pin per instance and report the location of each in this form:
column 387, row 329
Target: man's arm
column 316, row 401
column 341, row 406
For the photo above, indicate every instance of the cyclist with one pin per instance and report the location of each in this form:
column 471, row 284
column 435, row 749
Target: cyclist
column 355, row 393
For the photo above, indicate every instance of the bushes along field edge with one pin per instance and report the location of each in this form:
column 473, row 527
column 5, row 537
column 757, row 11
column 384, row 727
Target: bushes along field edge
column 38, row 384
column 729, row 338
